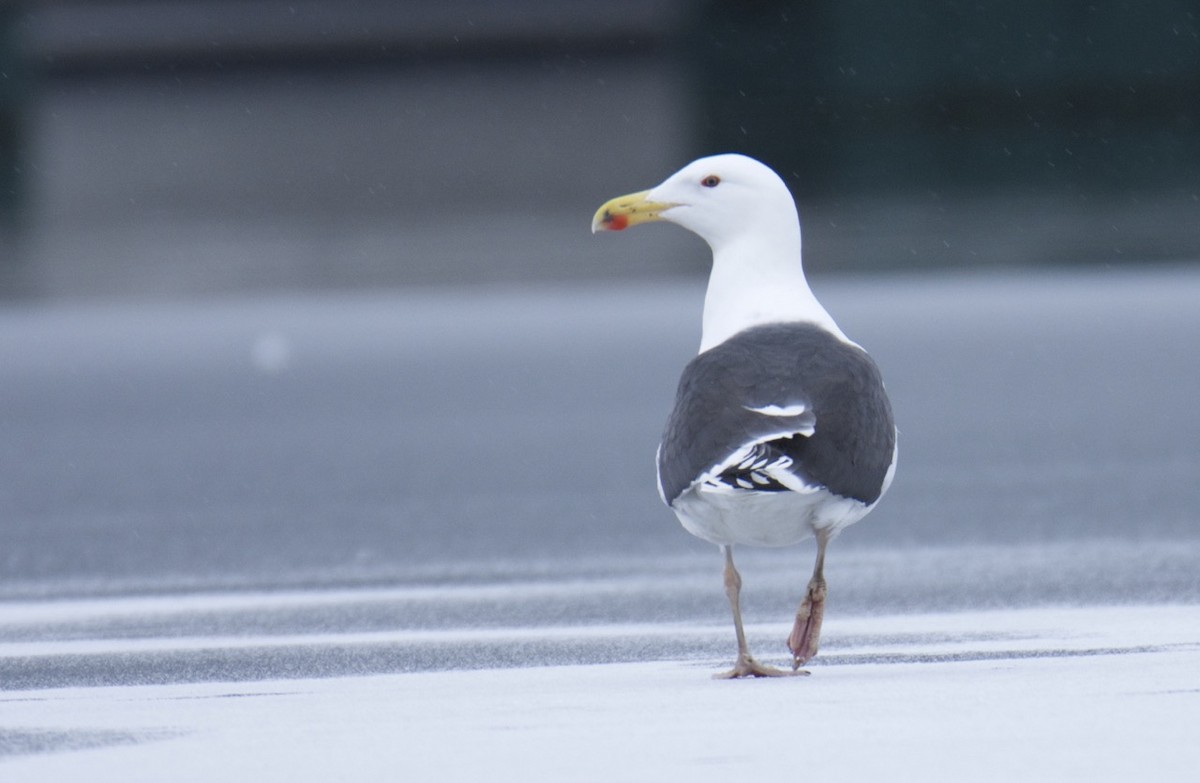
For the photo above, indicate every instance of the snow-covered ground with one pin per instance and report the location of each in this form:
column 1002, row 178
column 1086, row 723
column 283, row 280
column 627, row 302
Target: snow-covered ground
column 1095, row 694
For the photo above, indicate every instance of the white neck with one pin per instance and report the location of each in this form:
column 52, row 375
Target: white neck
column 757, row 278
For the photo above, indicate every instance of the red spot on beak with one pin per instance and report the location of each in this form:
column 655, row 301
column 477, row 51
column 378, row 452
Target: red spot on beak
column 617, row 222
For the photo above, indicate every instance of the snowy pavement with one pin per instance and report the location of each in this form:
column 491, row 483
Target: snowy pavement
column 1096, row 694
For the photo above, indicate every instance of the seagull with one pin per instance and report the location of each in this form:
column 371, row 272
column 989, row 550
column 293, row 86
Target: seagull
column 781, row 427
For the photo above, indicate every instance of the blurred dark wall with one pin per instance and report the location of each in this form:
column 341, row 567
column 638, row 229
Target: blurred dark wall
column 177, row 147
column 963, row 132
column 184, row 147
column 1013, row 95
column 12, row 95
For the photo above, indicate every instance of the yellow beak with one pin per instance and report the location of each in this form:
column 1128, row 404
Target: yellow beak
column 625, row 211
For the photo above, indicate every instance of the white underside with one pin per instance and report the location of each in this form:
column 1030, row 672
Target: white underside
column 724, row 516
column 764, row 518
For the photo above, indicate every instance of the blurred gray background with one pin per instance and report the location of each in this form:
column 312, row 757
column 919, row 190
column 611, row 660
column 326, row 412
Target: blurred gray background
column 180, row 147
column 303, row 295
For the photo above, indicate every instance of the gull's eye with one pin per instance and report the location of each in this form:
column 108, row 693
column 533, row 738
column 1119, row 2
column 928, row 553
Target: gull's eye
column 711, row 181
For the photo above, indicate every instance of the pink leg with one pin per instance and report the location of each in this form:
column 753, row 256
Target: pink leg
column 806, row 633
column 745, row 666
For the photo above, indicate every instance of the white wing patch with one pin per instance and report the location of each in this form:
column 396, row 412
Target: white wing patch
column 776, row 410
column 805, row 420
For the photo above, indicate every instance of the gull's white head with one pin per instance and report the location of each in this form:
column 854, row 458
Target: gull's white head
column 746, row 214
column 723, row 199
